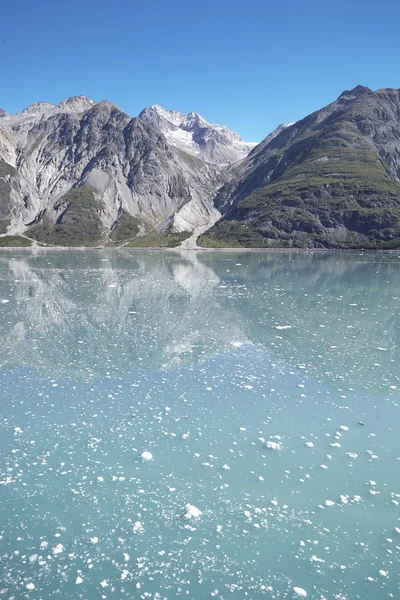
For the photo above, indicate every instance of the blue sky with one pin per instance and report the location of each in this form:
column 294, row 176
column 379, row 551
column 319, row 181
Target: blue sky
column 249, row 64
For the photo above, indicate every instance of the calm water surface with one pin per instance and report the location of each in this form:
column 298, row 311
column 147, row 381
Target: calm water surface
column 201, row 359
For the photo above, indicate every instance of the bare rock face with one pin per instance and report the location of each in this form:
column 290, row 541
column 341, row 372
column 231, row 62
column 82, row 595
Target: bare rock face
column 86, row 162
column 331, row 180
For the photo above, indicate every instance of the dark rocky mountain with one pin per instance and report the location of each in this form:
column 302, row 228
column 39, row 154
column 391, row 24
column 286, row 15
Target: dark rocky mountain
column 331, row 180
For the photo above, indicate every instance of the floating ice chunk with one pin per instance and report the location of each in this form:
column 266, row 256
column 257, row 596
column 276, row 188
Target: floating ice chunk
column 137, row 526
column 100, row 479
column 323, row 466
column 273, row 445
column 78, row 580
column 219, row 528
column 309, row 445
column 104, row 583
column 370, row 482
column 242, row 429
column 146, row 455
column 300, row 592
column 33, row 558
column 260, row 478
column 352, row 454
column 58, row 549
column 192, row 512
column 373, row 492
column 126, row 556
column 280, row 327
column 30, row 586
column 94, row 540
column 343, row 427
column 315, row 558
column 44, row 544
column 383, row 573
column 329, row 503
column 335, row 445
column 184, row 436
column 5, row 301
column 225, row 467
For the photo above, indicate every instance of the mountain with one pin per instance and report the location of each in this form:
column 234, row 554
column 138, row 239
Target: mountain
column 83, row 172
column 193, row 134
column 331, row 180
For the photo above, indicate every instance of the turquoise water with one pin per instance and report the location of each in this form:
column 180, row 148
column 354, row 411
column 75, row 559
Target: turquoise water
column 200, row 359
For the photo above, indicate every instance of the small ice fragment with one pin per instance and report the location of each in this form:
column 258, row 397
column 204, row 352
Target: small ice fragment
column 44, row 544
column 146, row 455
column 58, row 549
column 94, row 540
column 33, row 558
column 309, row 445
column 192, row 512
column 137, row 526
column 329, row 503
column 273, row 445
column 300, row 592
column 184, row 436
column 236, row 344
column 4, row 301
column 100, row 478
column 242, row 428
column 225, row 467
column 280, row 327
column 343, row 427
column 260, row 478
column 126, row 557
column 219, row 528
column 30, row 586
column 352, row 454
column 323, row 466
column 383, row 573
column 104, row 583
column 78, row 580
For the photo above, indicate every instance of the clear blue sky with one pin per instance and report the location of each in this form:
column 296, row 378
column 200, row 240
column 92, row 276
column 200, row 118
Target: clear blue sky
column 248, row 64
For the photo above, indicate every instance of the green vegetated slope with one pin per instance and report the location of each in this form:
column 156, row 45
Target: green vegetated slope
column 326, row 182
column 14, row 241
column 78, row 222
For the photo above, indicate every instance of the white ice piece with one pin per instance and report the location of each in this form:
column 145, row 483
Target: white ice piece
column 58, row 549
column 192, row 512
column 300, row 592
column 329, row 503
column 146, row 455
column 273, row 445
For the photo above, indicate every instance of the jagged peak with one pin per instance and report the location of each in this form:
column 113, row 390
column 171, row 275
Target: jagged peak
column 75, row 104
column 359, row 90
column 37, row 107
column 3, row 113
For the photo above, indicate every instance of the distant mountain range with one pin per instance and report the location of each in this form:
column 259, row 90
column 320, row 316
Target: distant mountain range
column 85, row 173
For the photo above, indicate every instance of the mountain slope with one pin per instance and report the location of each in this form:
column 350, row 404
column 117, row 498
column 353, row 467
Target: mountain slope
column 329, row 180
column 123, row 166
column 193, row 134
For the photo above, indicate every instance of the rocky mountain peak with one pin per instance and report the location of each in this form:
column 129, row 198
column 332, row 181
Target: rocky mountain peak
column 75, row 104
column 37, row 108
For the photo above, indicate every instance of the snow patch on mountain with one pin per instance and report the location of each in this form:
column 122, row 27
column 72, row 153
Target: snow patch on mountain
column 193, row 134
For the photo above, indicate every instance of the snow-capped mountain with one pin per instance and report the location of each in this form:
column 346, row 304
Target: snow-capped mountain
column 83, row 166
column 193, row 134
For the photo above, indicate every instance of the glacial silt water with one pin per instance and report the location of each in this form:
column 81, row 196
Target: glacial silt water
column 263, row 390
